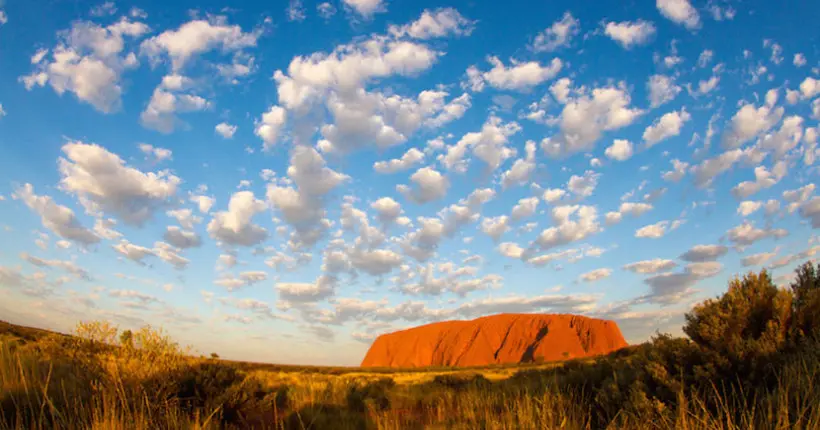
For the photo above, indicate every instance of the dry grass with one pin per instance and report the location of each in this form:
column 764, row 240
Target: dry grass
column 62, row 382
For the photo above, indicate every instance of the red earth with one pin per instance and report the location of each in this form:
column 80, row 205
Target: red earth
column 496, row 339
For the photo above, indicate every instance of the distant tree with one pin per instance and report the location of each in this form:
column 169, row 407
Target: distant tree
column 97, row 331
column 214, row 355
column 806, row 304
column 127, row 339
column 746, row 325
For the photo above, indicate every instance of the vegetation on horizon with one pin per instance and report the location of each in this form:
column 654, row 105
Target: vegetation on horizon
column 751, row 360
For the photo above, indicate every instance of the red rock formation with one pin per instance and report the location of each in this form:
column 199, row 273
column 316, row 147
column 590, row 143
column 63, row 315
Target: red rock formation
column 504, row 338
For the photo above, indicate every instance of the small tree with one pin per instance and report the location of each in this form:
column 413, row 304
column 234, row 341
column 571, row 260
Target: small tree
column 214, row 355
column 806, row 305
column 746, row 325
column 127, row 339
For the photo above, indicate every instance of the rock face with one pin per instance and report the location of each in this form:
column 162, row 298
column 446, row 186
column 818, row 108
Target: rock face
column 504, row 338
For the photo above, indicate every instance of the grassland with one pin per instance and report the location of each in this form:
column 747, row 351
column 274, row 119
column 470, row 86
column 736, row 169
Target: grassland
column 752, row 362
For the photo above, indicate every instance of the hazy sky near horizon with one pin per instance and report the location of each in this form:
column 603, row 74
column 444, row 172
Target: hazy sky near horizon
column 284, row 181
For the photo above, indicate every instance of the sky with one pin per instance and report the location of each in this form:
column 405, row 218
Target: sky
column 284, row 181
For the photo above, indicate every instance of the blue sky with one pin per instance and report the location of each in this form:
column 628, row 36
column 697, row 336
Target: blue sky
column 284, row 181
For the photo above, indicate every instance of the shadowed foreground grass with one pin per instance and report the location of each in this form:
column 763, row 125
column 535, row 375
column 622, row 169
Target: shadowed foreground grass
column 751, row 364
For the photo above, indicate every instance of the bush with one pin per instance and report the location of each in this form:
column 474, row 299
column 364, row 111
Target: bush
column 373, row 395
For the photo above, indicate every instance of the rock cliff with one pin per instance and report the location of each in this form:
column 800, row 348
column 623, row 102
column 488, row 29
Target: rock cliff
column 504, row 338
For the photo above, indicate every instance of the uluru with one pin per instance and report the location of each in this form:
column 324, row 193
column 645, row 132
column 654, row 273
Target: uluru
column 496, row 339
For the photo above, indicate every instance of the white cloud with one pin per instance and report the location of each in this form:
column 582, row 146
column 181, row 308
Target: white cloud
column 748, row 207
column 585, row 117
column 567, row 230
column 558, row 35
column 430, row 185
column 702, row 253
column 103, row 182
column 662, row 89
column 678, row 171
column 706, row 86
column 811, row 211
column 620, row 150
column 231, row 282
column 680, row 12
column 297, row 293
column 59, row 219
column 705, row 172
column 666, row 126
column 657, row 230
column 2, row 111
column 583, row 186
column 67, row 266
column 295, row 12
column 595, row 275
column 89, row 61
column 326, row 10
column 197, row 37
column 226, row 130
column 489, row 145
column 749, row 122
column 799, row 60
column 495, row 227
column 552, row 195
column 410, row 158
column 809, row 88
column 170, row 255
column 234, row 226
column 525, row 208
column 522, row 169
column 154, row 154
column 161, row 112
column 366, row 8
column 757, row 259
column 656, row 265
column 132, row 252
column 520, row 75
column 181, row 238
column 433, row 24
column 303, row 206
column 270, row 127
column 746, row 234
column 763, row 179
column 630, row 33
column 797, row 197
column 388, row 209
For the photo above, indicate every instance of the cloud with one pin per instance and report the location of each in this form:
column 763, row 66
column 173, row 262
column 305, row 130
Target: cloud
column 232, row 283
column 680, row 12
column 811, row 211
column 161, row 112
column 519, row 76
column 67, row 266
column 270, row 126
column 585, row 117
column 495, row 227
column 132, row 252
column 181, row 238
column 234, row 226
column 746, row 234
column 657, row 230
column 365, row 8
column 410, row 158
column 430, row 185
column 441, row 22
column 89, row 61
column 195, row 38
column 757, row 259
column 656, row 265
column 595, row 275
column 671, row 288
column 628, row 208
column 302, row 207
column 300, row 293
column 797, row 197
column 525, row 208
column 707, row 170
column 226, row 130
column 620, row 150
column 662, row 89
column 522, row 169
column 58, row 219
column 630, row 33
column 763, row 179
column 103, row 182
column 667, row 126
column 489, row 145
column 567, row 230
column 702, row 253
column 558, row 35
column 749, row 121
column 677, row 173
column 748, row 207
column 583, row 186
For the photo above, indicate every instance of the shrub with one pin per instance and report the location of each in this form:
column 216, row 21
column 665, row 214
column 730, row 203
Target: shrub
column 372, row 395
column 806, row 304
